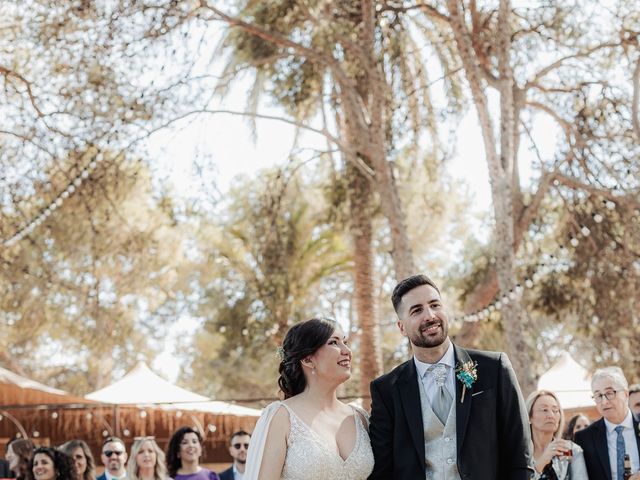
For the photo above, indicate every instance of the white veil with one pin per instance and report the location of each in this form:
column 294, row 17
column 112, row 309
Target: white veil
column 258, row 440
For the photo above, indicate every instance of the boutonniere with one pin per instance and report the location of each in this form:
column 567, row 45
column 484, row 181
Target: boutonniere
column 467, row 373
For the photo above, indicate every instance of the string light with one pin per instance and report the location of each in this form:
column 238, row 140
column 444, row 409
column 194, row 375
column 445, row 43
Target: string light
column 544, row 269
column 57, row 202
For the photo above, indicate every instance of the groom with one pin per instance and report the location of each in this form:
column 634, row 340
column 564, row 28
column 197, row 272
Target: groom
column 447, row 413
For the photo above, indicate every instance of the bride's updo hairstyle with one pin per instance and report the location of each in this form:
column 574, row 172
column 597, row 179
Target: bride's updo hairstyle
column 302, row 340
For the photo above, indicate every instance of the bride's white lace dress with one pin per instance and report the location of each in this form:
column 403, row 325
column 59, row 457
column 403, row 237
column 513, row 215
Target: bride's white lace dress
column 308, row 456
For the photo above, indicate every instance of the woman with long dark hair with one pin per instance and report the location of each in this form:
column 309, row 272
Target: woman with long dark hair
column 183, row 456
column 311, row 435
column 50, row 464
column 578, row 422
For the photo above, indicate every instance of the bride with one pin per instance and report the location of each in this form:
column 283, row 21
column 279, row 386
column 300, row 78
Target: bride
column 311, row 434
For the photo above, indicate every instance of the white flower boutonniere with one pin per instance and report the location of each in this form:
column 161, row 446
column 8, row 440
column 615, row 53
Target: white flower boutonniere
column 467, row 374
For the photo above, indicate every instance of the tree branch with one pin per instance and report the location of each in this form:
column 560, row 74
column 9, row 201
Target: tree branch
column 361, row 165
column 558, row 63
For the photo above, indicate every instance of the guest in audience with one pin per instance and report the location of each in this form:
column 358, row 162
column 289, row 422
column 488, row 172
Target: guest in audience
column 634, row 400
column 183, row 456
column 554, row 457
column 82, row 458
column 578, row 422
column 5, row 471
column 114, row 459
column 50, row 464
column 147, row 461
column 238, row 446
column 19, row 452
column 606, row 441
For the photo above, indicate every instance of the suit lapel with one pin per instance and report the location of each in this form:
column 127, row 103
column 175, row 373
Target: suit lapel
column 600, row 440
column 410, row 398
column 462, row 407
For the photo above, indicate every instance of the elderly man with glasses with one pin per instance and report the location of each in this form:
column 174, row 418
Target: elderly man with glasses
column 114, row 458
column 607, row 441
column 238, row 446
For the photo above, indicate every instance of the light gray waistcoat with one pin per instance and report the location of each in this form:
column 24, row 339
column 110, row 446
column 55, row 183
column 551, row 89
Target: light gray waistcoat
column 440, row 446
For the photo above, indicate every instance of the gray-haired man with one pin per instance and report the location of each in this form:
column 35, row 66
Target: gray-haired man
column 606, row 441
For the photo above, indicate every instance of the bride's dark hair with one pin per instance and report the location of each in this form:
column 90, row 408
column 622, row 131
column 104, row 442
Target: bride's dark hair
column 302, row 340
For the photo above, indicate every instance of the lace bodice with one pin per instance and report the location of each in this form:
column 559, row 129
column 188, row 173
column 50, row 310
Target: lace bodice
column 309, row 458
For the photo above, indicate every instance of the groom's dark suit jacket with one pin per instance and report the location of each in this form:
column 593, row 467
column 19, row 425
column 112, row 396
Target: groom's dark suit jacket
column 593, row 441
column 492, row 426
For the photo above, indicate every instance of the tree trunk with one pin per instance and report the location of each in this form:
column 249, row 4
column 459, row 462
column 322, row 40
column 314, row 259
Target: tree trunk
column 360, row 206
column 500, row 174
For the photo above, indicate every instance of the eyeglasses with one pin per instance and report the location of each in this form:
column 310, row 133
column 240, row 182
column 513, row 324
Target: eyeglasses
column 609, row 395
column 238, row 445
column 110, row 453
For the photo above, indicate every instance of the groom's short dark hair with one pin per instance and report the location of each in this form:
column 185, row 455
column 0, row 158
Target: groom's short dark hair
column 409, row 284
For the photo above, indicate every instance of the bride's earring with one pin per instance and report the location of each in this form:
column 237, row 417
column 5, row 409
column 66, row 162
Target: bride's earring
column 309, row 363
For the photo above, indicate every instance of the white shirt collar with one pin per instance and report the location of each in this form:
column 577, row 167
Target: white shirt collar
column 112, row 477
column 627, row 423
column 448, row 359
column 236, row 473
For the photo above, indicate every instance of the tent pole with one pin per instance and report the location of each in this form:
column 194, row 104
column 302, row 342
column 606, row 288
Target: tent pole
column 116, row 420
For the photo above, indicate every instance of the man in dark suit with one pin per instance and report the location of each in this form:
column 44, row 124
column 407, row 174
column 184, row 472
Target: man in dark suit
column 634, row 400
column 114, row 458
column 448, row 412
column 606, row 441
column 5, row 471
column 238, row 446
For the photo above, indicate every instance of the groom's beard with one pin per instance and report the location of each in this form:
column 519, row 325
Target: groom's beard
column 420, row 339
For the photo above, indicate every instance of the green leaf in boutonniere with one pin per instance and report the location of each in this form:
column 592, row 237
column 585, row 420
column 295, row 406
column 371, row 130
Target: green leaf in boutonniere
column 467, row 374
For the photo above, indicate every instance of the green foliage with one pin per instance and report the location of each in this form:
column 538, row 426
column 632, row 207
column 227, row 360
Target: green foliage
column 264, row 266
column 94, row 280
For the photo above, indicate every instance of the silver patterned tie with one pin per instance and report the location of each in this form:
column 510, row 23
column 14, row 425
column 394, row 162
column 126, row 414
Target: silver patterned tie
column 441, row 403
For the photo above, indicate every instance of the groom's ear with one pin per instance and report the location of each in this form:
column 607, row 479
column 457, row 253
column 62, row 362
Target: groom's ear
column 401, row 327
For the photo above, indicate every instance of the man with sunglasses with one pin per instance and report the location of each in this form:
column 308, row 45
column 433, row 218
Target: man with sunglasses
column 114, row 458
column 606, row 441
column 238, row 446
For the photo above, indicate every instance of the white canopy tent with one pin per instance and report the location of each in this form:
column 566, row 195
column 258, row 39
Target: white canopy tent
column 570, row 381
column 18, row 390
column 141, row 386
column 10, row 378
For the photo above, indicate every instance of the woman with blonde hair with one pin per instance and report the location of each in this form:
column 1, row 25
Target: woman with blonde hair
column 147, row 461
column 555, row 458
column 82, row 458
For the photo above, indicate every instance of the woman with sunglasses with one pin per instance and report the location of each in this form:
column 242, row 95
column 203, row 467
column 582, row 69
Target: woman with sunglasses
column 183, row 456
column 147, row 461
